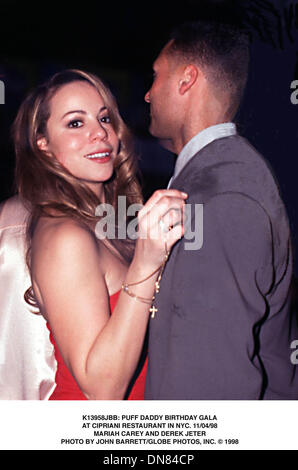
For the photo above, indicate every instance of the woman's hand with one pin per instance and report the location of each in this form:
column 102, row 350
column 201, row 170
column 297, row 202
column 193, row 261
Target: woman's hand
column 160, row 226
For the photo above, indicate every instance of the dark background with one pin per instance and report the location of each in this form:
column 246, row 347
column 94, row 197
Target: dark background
column 120, row 40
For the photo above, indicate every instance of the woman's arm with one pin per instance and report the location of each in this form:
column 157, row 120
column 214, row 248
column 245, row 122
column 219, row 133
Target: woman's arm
column 100, row 350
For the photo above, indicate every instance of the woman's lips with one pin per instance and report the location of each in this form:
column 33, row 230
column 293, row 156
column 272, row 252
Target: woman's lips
column 100, row 157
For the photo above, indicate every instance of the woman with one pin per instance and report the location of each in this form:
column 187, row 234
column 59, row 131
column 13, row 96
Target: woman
column 73, row 152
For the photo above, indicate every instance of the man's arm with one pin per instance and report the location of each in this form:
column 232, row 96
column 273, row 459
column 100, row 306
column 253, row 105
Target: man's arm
column 224, row 299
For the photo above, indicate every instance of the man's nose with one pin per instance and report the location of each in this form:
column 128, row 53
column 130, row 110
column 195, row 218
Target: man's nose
column 147, row 97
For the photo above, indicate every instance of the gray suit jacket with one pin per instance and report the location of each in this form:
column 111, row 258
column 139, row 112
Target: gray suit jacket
column 223, row 327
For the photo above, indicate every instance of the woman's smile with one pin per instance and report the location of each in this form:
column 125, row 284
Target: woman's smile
column 103, row 156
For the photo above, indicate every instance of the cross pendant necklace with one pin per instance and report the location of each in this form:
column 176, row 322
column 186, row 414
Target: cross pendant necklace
column 153, row 311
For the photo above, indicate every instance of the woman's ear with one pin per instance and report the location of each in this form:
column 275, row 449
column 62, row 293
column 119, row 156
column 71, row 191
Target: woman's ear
column 42, row 144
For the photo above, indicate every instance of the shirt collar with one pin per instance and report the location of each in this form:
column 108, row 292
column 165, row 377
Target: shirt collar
column 199, row 141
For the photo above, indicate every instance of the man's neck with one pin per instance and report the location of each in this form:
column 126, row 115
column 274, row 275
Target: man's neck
column 190, row 131
column 200, row 112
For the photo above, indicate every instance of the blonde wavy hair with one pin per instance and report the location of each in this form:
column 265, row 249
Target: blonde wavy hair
column 46, row 187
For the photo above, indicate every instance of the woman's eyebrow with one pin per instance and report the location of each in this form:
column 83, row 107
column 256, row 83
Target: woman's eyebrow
column 103, row 108
column 74, row 111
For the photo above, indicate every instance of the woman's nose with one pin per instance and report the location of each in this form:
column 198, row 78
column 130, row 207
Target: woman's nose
column 99, row 131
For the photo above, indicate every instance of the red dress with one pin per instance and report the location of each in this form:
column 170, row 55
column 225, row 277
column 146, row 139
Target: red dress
column 68, row 389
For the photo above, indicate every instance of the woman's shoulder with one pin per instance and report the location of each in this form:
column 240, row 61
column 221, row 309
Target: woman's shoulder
column 64, row 256
column 62, row 235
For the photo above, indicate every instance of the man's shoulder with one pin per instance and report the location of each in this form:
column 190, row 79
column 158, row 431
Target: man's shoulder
column 231, row 165
column 12, row 213
column 233, row 151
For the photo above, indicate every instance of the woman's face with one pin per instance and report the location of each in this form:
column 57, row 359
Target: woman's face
column 80, row 134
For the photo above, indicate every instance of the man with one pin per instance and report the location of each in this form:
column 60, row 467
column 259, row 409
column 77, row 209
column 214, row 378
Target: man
column 223, row 327
column 27, row 362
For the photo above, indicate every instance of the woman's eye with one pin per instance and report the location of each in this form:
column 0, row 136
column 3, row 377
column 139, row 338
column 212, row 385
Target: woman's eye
column 75, row 124
column 105, row 119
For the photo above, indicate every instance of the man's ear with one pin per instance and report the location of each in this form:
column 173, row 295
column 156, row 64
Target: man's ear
column 42, row 144
column 190, row 76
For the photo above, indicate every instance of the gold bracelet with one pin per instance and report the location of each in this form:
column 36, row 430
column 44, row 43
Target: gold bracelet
column 125, row 287
column 159, row 269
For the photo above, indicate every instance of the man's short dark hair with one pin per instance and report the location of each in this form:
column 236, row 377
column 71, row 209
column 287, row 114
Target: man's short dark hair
column 221, row 49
